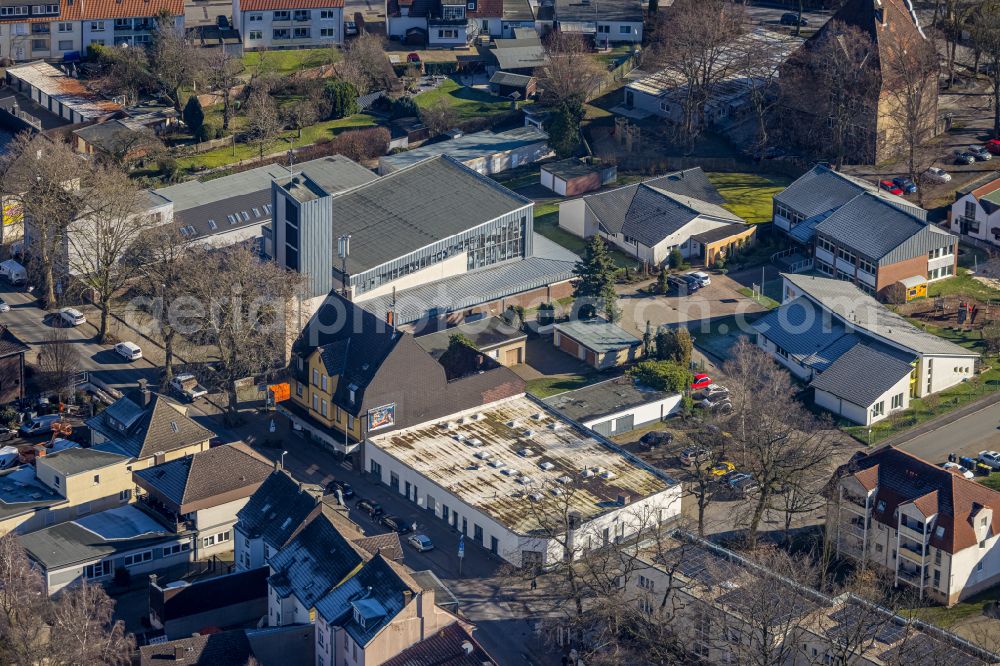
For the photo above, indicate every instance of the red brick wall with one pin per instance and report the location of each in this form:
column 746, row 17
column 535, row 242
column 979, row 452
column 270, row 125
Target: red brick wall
column 893, row 273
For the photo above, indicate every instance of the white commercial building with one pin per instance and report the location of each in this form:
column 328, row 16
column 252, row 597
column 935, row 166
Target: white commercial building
column 502, row 474
column 863, row 360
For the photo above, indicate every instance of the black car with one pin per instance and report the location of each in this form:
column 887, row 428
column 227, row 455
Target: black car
column 791, row 18
column 656, row 438
column 344, row 488
column 374, row 509
column 682, row 285
column 396, row 524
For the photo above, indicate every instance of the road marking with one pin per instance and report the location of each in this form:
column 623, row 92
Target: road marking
column 312, row 469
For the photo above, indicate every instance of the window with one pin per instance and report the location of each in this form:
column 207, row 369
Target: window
column 447, row 34
column 878, row 409
column 452, row 13
column 65, row 27
column 603, row 29
column 138, row 558
column 823, row 267
column 970, row 209
column 57, row 481
column 323, row 407
column 983, row 521
column 878, row 548
column 646, row 583
column 255, row 34
column 298, row 389
column 845, row 255
column 350, row 422
column 315, row 402
column 327, row 14
column 221, row 537
column 97, row 479
column 301, row 15
column 866, row 266
column 21, row 10
column 315, row 376
column 255, row 18
column 328, row 33
column 624, row 29
column 99, row 570
column 303, row 33
column 39, row 44
column 280, row 33
column 979, row 566
column 323, row 382
column 825, row 245
column 283, row 15
column 897, row 401
column 645, row 605
column 125, row 495
column 97, row 26
column 880, row 507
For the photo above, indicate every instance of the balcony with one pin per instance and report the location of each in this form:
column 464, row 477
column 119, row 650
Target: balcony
column 914, row 577
column 914, row 552
column 855, row 528
column 157, row 510
column 912, row 532
column 850, row 547
column 855, row 504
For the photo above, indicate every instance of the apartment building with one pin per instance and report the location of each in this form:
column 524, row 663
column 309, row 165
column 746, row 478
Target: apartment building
column 850, row 230
column 289, row 24
column 932, row 529
column 724, row 608
column 65, row 29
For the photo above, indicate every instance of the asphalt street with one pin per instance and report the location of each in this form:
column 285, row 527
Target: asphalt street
column 967, row 436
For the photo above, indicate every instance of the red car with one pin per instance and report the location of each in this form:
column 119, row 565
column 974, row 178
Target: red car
column 701, row 381
column 993, row 146
column 890, row 187
column 412, row 57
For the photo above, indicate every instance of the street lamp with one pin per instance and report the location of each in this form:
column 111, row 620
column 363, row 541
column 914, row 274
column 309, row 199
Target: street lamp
column 283, row 459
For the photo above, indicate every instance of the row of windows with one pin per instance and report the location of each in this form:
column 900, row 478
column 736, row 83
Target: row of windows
column 213, row 539
column 622, row 29
column 300, row 33
column 787, row 213
column 297, row 15
column 104, row 568
column 285, row 33
column 939, row 252
column 36, row 10
column 944, row 271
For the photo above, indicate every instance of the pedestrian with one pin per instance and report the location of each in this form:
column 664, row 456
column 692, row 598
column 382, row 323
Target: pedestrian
column 534, row 583
column 414, row 526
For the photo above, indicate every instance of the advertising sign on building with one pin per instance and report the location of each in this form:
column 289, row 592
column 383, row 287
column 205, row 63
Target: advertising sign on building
column 381, row 417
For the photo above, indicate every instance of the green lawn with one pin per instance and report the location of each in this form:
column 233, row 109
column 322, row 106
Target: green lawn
column 612, row 55
column 543, row 387
column 946, row 618
column 286, row 62
column 962, row 283
column 547, row 224
column 327, row 129
column 762, row 299
column 748, row 194
column 467, row 102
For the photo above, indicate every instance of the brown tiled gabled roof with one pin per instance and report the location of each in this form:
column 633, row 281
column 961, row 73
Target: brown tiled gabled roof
column 446, row 647
column 387, row 545
column 868, row 478
column 488, row 9
column 904, row 478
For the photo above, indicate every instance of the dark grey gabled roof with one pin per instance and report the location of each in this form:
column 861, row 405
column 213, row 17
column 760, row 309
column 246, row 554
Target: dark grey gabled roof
column 862, row 374
column 275, row 510
column 222, row 473
column 418, row 205
column 147, row 427
column 879, row 230
column 629, row 11
column 821, row 189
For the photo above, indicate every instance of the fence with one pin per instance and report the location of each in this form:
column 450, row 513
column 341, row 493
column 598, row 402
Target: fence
column 610, row 80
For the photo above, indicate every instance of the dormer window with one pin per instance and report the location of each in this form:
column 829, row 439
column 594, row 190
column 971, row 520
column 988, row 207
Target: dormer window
column 983, row 521
column 358, row 617
column 880, row 507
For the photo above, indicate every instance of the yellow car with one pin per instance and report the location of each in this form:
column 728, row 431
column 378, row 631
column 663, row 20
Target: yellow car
column 721, row 468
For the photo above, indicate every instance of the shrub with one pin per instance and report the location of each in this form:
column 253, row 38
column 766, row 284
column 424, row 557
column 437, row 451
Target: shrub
column 207, row 131
column 168, row 168
column 661, row 375
column 341, row 99
column 676, row 259
column 404, row 107
column 546, row 314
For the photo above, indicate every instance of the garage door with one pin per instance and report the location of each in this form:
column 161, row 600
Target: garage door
column 624, row 423
column 603, row 428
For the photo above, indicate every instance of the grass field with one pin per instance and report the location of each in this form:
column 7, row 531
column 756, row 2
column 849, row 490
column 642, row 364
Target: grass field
column 327, row 129
column 749, row 195
column 762, row 299
column 547, row 224
column 962, row 283
column 286, row 62
column 467, row 102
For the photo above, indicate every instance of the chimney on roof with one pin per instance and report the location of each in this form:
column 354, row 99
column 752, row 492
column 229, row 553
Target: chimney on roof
column 407, row 596
column 277, row 464
column 179, row 651
column 144, row 391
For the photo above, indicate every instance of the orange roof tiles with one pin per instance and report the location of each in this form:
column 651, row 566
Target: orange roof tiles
column 289, row 5
column 90, row 10
column 488, row 9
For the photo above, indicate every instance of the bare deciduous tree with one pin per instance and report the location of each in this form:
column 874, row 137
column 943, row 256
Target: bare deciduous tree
column 23, row 606
column 124, row 71
column 842, row 64
column 225, row 72
column 101, row 238
column 263, row 125
column 46, row 175
column 59, row 363
column 570, row 73
column 244, row 305
column 439, row 117
column 986, row 37
column 694, row 37
column 365, row 65
column 300, row 113
column 174, row 62
column 85, row 630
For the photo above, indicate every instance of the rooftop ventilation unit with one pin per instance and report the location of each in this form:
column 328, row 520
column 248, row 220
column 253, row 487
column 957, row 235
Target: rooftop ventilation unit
column 527, row 432
column 546, row 465
column 524, row 453
column 496, row 463
column 484, row 455
column 557, row 491
column 509, row 472
column 608, row 475
column 475, row 441
column 564, row 479
column 537, row 416
column 555, row 425
column 458, row 437
column 535, row 497
column 512, row 423
column 525, row 480
column 587, row 472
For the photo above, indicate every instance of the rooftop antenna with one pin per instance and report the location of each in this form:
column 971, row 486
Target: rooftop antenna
column 343, row 251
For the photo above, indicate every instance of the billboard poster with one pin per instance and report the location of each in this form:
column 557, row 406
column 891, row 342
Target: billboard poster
column 381, row 417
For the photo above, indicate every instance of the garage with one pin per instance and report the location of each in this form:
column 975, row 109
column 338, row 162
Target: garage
column 615, row 406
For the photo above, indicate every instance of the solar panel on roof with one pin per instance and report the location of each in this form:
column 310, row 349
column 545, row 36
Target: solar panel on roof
column 256, row 212
column 246, row 216
column 213, row 225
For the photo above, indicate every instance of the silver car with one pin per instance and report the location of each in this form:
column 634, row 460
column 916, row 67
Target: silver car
column 420, row 542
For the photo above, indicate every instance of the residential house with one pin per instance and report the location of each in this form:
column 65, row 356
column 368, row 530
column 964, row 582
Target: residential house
column 615, row 406
column 485, row 152
column 607, row 22
column 497, row 337
column 722, row 607
column 875, row 134
column 149, row 428
column 12, row 351
column 289, row 24
column 272, row 514
column 597, row 342
column 830, row 333
column 519, row 53
column 375, row 614
column 849, row 229
column 574, row 176
column 649, row 220
column 118, row 140
column 94, row 547
column 447, row 259
column 513, row 86
column 61, row 486
column 522, row 453
column 354, row 374
column 64, row 30
column 930, row 528
column 203, row 492
column 976, row 211
column 433, row 23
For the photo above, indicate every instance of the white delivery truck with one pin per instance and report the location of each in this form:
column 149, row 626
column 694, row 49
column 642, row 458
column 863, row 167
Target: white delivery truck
column 14, row 272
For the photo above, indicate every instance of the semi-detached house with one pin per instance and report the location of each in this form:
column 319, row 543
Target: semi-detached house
column 289, row 24
column 862, row 360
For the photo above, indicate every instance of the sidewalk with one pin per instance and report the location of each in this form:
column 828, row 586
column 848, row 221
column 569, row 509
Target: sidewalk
column 943, row 420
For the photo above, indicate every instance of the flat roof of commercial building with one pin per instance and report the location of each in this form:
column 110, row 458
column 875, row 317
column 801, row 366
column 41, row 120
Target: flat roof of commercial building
column 486, row 334
column 603, row 399
column 470, row 146
column 503, row 457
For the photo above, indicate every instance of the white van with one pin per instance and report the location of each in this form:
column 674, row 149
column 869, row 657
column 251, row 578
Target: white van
column 72, row 317
column 14, row 272
column 129, row 351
